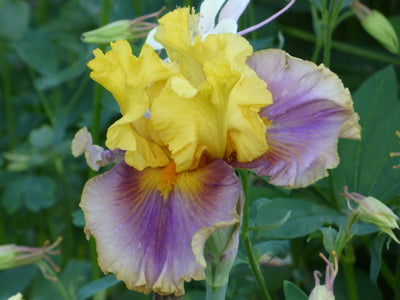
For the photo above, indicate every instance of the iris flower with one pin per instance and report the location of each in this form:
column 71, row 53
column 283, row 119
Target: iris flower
column 186, row 122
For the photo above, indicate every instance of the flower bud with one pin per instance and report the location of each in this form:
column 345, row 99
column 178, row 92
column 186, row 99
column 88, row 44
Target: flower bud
column 325, row 291
column 373, row 211
column 111, row 32
column 12, row 256
column 220, row 252
column 321, row 292
column 121, row 30
column 378, row 26
column 16, row 297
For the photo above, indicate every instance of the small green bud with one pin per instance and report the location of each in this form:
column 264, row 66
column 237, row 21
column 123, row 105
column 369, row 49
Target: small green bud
column 373, row 211
column 12, row 256
column 378, row 26
column 220, row 252
column 121, row 30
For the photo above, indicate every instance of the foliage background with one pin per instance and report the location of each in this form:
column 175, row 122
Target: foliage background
column 46, row 96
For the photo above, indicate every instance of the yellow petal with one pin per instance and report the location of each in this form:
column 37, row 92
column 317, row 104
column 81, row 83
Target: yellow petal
column 142, row 144
column 130, row 79
column 176, row 34
column 218, row 117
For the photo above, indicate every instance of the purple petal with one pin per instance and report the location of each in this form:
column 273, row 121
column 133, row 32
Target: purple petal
column 146, row 239
column 310, row 110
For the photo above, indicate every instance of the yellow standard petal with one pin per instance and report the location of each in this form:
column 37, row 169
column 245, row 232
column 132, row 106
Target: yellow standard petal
column 130, row 79
column 211, row 109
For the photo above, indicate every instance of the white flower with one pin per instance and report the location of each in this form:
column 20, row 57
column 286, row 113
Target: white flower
column 209, row 9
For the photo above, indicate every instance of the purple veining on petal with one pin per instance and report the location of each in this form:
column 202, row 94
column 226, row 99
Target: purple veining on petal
column 145, row 238
column 310, row 105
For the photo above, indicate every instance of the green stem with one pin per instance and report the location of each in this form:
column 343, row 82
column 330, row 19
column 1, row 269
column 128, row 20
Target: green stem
column 216, row 293
column 327, row 44
column 348, row 269
column 136, row 7
column 343, row 47
column 41, row 11
column 7, row 97
column 397, row 276
column 255, row 266
column 389, row 277
column 317, row 30
column 252, row 20
column 96, row 110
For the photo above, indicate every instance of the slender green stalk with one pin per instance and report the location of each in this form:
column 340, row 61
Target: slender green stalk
column 255, row 266
column 41, row 11
column 252, row 20
column 93, row 259
column 397, row 276
column 343, row 47
column 348, row 261
column 329, row 23
column 216, row 293
column 96, row 110
column 389, row 277
column 327, row 44
column 137, row 8
column 5, row 78
column 317, row 30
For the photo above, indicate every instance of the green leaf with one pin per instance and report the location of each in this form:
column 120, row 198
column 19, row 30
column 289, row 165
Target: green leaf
column 51, row 80
column 328, row 237
column 42, row 137
column 14, row 19
column 34, row 192
column 15, row 280
column 305, row 217
column 366, row 166
column 77, row 218
column 39, row 192
column 265, row 251
column 271, row 226
column 376, row 247
column 12, row 197
column 96, row 286
column 293, row 292
column 37, row 51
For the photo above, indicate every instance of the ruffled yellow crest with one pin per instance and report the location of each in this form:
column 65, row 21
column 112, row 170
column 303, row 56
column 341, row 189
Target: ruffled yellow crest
column 129, row 79
column 203, row 103
column 215, row 102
